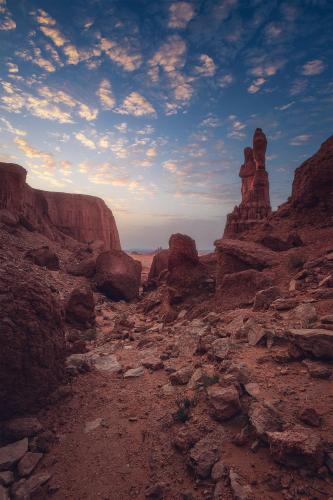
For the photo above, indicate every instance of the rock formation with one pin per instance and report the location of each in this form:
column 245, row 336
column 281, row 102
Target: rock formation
column 255, row 204
column 57, row 215
column 313, row 182
column 185, row 272
column 118, row 275
column 31, row 337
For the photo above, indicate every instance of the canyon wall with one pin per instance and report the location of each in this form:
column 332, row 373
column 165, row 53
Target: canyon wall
column 255, row 204
column 82, row 217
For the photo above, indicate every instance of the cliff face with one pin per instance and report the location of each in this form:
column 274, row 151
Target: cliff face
column 313, row 181
column 82, row 217
column 255, row 204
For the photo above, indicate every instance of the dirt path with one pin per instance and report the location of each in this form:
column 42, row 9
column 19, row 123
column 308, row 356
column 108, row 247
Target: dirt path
column 130, row 448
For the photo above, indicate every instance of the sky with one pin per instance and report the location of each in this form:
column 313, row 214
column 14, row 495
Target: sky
column 149, row 103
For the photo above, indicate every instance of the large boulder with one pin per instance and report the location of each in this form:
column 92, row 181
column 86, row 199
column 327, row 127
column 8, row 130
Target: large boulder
column 31, row 337
column 186, row 273
column 80, row 307
column 86, row 268
column 118, row 276
column 298, row 447
column 313, row 342
column 158, row 266
column 239, row 289
column 43, row 257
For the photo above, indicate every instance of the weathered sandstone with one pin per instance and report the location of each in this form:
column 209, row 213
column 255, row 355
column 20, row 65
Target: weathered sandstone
column 255, row 204
column 57, row 215
column 31, row 337
column 118, row 275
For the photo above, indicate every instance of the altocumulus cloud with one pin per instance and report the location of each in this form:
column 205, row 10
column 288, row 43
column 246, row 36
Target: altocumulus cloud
column 135, row 104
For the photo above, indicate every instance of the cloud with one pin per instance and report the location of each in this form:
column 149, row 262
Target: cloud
column 121, row 55
column 12, row 68
column 225, row 80
column 170, row 166
column 42, row 108
column 57, row 96
column 31, row 152
column 10, row 128
column 7, row 22
column 151, row 152
column 180, row 14
column 314, row 67
column 44, row 18
column 72, row 54
column 105, row 95
column 299, row 140
column 210, row 121
column 285, row 106
column 135, row 104
column 207, row 66
column 104, row 142
column 87, row 112
column 85, row 140
column 170, row 56
column 122, row 127
column 237, row 126
column 56, row 36
column 255, row 85
column 298, row 86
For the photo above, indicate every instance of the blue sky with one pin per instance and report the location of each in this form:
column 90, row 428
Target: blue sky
column 149, row 104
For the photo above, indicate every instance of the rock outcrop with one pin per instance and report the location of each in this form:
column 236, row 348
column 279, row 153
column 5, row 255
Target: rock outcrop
column 57, row 215
column 313, row 181
column 31, row 337
column 118, row 276
column 255, row 204
column 185, row 271
column 158, row 266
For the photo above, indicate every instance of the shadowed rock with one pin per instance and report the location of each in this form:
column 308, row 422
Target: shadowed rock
column 118, row 276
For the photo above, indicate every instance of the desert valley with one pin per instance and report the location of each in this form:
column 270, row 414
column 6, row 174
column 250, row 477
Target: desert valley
column 166, row 250
column 208, row 378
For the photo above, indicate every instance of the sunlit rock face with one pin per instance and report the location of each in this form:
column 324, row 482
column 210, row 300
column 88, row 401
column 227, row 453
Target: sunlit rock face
column 82, row 217
column 255, row 204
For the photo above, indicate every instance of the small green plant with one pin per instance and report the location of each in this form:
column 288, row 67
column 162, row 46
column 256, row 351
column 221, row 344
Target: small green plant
column 207, row 380
column 296, row 262
column 183, row 412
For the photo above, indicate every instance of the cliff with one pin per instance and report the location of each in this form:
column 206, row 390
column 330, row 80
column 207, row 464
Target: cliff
column 57, row 215
column 255, row 204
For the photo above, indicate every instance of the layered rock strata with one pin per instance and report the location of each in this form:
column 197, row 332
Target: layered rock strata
column 57, row 215
column 255, row 204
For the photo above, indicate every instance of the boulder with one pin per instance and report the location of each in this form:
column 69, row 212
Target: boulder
column 185, row 272
column 313, row 342
column 306, row 314
column 118, row 276
column 86, row 268
column 246, row 254
column 80, row 307
column 298, row 447
column 43, row 257
column 205, row 453
column 21, row 427
column 182, row 376
column 264, row 418
column 264, row 298
column 28, row 463
column 224, row 402
column 310, row 417
column 32, row 339
column 12, row 453
column 27, row 488
column 241, row 490
column 158, row 266
column 239, row 289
